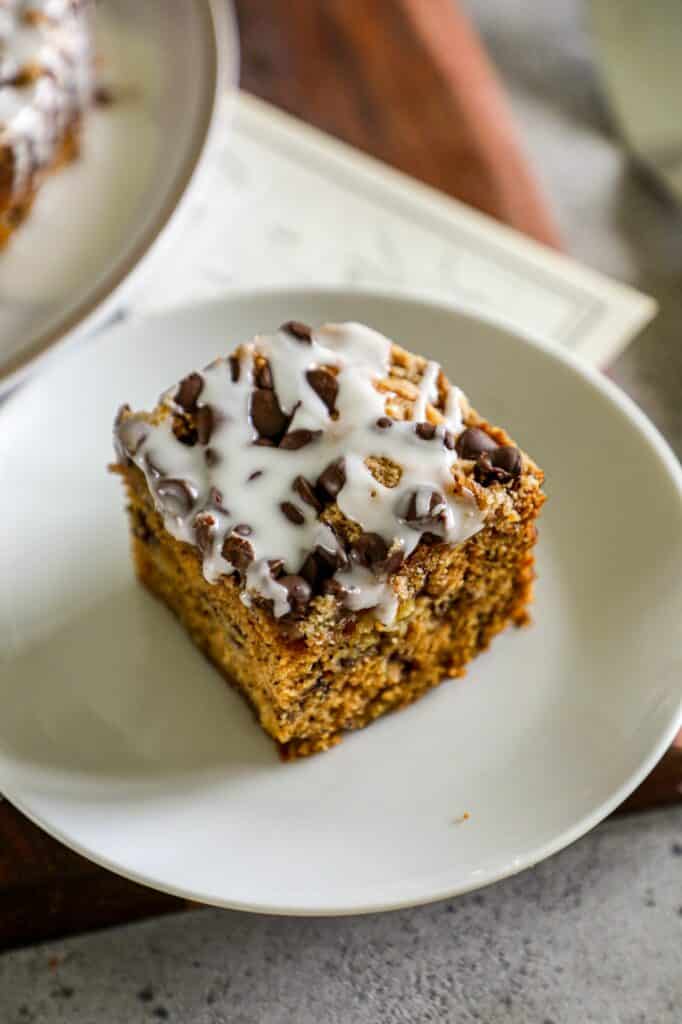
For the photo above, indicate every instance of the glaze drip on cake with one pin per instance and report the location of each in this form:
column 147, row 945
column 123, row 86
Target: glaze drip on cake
column 244, row 458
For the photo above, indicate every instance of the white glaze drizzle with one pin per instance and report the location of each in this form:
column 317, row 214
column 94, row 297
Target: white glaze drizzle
column 360, row 356
column 34, row 116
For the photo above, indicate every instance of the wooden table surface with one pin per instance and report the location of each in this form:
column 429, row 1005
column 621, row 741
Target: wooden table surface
column 404, row 80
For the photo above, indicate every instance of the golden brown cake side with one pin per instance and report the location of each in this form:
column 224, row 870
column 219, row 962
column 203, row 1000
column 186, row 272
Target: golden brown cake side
column 307, row 689
column 327, row 666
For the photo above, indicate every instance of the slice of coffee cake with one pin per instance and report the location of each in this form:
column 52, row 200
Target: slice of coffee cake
column 333, row 523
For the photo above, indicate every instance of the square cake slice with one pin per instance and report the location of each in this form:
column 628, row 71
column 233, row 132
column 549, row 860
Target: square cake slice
column 337, row 529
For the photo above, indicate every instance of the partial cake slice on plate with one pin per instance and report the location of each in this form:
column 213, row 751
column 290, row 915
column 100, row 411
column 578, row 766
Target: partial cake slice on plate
column 336, row 527
column 45, row 88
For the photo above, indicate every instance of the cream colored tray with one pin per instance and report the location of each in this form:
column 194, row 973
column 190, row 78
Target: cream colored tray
column 282, row 204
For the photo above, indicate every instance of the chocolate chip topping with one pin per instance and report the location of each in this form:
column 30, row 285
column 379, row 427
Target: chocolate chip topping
column 175, row 496
column 238, row 551
column 325, row 385
column 507, row 458
column 188, row 392
column 449, row 440
column 331, row 480
column 298, row 592
column 263, row 376
column 292, row 513
column 235, row 368
column 264, row 442
column 276, row 567
column 216, row 498
column 266, row 415
column 369, row 548
column 205, row 422
column 310, row 570
column 306, row 493
column 254, row 476
column 212, row 457
column 424, row 510
column 502, row 465
column 473, row 442
column 425, row 430
column 384, row 423
column 321, row 564
column 298, row 330
column 298, row 438
column 203, row 530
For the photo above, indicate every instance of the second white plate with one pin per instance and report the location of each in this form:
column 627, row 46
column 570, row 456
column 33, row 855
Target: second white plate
column 117, row 736
column 94, row 223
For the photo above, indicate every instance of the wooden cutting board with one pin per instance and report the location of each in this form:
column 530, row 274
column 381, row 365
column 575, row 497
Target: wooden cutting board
column 404, row 80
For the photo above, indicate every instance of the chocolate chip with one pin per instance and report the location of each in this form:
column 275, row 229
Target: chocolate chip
column 424, row 509
column 254, row 476
column 176, row 496
column 235, row 368
column 276, row 567
column 238, row 551
column 203, row 530
column 298, row 592
column 265, row 442
column 216, row 498
column 204, row 420
column 334, row 560
column 501, row 466
column 507, row 458
column 266, row 415
column 331, row 480
column 296, row 439
column 389, row 565
column 298, row 330
column 292, row 512
column 306, row 493
column 473, row 442
column 319, row 565
column 212, row 457
column 425, row 430
column 384, row 423
column 310, row 570
column 336, row 589
column 188, row 391
column 263, row 376
column 369, row 548
column 449, row 440
column 325, row 385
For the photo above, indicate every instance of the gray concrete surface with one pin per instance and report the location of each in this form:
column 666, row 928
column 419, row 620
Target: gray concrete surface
column 592, row 936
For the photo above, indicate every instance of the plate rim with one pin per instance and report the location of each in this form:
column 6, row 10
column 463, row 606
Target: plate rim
column 592, row 377
column 222, row 69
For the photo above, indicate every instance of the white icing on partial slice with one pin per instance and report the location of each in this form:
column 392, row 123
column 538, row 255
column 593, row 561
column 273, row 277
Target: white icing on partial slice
column 242, row 486
column 55, row 49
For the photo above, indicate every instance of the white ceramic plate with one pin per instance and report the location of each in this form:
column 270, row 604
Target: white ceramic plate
column 120, row 739
column 94, row 223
